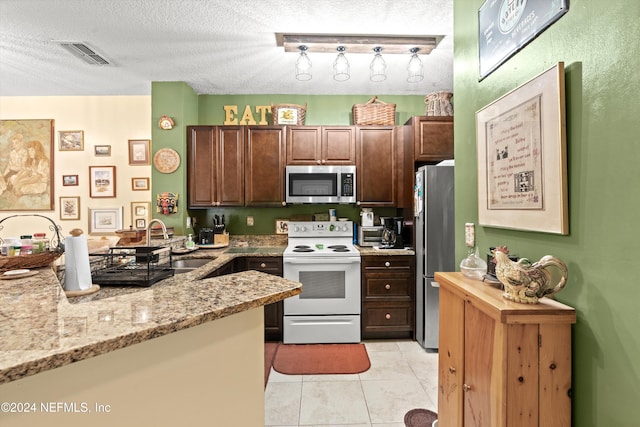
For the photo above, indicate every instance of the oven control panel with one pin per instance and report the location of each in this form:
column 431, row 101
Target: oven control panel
column 320, row 228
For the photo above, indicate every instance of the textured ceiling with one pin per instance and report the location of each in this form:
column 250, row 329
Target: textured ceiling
column 216, row 46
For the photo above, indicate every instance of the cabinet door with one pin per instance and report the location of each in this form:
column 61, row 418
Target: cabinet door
column 272, row 312
column 433, row 138
column 303, row 145
column 376, row 173
column 484, row 394
column 201, row 166
column 264, row 166
column 450, row 359
column 338, row 145
column 230, row 168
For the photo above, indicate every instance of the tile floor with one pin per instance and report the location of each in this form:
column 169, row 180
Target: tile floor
column 403, row 376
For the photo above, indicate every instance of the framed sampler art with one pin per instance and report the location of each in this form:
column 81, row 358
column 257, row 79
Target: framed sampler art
column 522, row 158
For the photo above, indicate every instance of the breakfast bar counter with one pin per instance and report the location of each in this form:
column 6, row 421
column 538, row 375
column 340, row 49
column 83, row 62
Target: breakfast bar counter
column 153, row 356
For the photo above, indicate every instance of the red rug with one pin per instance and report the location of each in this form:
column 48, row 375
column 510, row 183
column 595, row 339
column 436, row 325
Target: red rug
column 316, row 359
column 270, row 349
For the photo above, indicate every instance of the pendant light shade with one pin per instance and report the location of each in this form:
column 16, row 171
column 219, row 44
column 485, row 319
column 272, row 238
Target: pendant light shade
column 303, row 65
column 378, row 66
column 415, row 68
column 341, row 66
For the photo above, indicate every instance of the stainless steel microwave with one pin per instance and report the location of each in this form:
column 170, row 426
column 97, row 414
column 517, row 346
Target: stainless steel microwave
column 321, row 184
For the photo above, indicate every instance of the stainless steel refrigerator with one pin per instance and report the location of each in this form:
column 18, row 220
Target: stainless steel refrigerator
column 434, row 244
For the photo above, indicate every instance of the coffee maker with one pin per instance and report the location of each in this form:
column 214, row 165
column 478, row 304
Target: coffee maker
column 392, row 227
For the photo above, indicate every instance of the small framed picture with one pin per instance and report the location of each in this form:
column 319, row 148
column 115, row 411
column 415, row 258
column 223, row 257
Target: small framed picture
column 102, row 150
column 70, row 208
column 141, row 223
column 105, row 220
column 71, row 140
column 282, row 226
column 140, row 209
column 140, row 184
column 102, row 181
column 69, row 180
column 139, row 151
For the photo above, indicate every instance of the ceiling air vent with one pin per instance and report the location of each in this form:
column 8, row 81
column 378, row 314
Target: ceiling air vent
column 84, row 52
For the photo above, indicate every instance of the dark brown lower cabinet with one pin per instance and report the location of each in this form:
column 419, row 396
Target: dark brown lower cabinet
column 273, row 312
column 388, row 296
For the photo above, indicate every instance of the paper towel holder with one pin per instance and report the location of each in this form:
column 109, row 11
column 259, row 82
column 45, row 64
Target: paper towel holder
column 76, row 232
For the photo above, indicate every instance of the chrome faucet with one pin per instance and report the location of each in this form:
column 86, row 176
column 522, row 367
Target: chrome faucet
column 164, row 230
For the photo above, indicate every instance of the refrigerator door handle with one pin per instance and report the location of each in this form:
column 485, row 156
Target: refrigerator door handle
column 435, row 284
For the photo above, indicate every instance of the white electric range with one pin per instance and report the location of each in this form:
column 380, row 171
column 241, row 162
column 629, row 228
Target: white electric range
column 321, row 256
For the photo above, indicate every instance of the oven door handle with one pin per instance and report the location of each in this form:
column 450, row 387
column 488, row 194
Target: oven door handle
column 322, row 261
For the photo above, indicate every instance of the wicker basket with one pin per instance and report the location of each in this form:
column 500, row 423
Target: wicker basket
column 288, row 114
column 28, row 261
column 374, row 112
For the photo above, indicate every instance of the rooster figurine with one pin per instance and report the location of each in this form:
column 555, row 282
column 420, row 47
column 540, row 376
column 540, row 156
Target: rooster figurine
column 525, row 282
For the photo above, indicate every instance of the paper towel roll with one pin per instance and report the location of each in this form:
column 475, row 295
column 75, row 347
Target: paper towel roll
column 76, row 263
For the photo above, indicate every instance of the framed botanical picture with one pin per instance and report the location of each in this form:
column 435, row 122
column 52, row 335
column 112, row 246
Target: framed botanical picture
column 70, row 208
column 282, row 226
column 141, row 223
column 69, row 180
column 102, row 181
column 71, row 140
column 102, row 150
column 139, row 151
column 105, row 220
column 140, row 184
column 26, row 174
column 140, row 209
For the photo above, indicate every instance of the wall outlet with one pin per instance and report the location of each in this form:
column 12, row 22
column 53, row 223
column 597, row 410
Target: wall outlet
column 250, row 221
column 470, row 234
column 188, row 225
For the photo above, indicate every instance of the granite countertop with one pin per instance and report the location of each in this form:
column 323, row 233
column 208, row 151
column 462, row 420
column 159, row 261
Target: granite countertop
column 41, row 329
column 370, row 250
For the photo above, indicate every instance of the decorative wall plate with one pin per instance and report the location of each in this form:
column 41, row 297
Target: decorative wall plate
column 165, row 123
column 166, row 160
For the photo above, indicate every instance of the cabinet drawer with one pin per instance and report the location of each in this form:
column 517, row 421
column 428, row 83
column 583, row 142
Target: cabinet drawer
column 265, row 265
column 388, row 286
column 388, row 316
column 376, row 263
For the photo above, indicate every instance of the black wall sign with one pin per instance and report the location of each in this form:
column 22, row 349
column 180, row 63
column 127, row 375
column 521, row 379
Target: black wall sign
column 506, row 26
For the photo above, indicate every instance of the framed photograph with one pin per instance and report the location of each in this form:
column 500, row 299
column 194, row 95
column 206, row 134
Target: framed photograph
column 26, row 175
column 102, row 150
column 287, row 116
column 69, row 180
column 139, row 151
column 141, row 223
column 140, row 184
column 505, row 27
column 105, row 220
column 522, row 158
column 71, row 140
column 282, row 226
column 102, row 181
column 140, row 209
column 69, row 208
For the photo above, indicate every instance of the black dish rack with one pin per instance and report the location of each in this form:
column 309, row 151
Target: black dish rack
column 133, row 266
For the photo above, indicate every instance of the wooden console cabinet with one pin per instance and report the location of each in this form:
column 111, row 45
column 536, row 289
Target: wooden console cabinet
column 501, row 363
column 388, row 296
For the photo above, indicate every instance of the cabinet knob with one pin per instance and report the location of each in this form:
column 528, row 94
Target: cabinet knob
column 323, row 162
column 387, row 286
column 452, row 369
column 263, row 265
column 387, row 316
column 466, row 387
column 318, row 161
column 284, row 203
column 387, row 264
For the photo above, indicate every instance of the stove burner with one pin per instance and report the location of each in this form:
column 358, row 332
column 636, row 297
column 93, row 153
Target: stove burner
column 337, row 247
column 341, row 250
column 303, row 249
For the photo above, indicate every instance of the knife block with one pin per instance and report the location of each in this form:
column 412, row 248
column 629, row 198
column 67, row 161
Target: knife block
column 221, row 239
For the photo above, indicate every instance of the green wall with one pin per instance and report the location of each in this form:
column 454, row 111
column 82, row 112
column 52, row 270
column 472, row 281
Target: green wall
column 595, row 39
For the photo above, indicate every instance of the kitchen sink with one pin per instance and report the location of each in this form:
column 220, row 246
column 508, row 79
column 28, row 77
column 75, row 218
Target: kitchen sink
column 187, row 265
